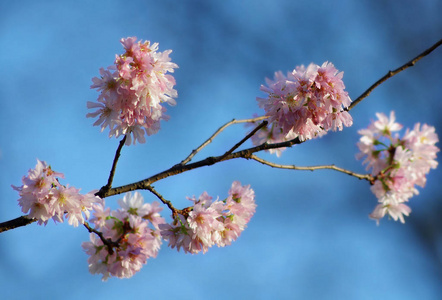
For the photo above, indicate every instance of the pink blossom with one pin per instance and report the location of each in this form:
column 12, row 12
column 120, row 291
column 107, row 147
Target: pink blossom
column 108, row 116
column 385, row 125
column 100, row 213
column 43, row 197
column 133, row 204
column 241, row 203
column 179, row 235
column 152, row 214
column 204, row 223
column 129, row 228
column 395, row 211
column 422, row 140
column 132, row 92
column 308, row 101
column 398, row 164
column 76, row 206
column 211, row 222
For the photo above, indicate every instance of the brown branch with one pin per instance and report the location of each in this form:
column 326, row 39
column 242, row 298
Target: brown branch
column 178, row 169
column 312, row 168
column 112, row 171
column 210, row 139
column 166, row 202
column 392, row 73
column 15, row 223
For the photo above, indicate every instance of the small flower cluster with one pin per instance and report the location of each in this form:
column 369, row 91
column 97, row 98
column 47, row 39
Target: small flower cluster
column 44, row 197
column 397, row 164
column 133, row 90
column 134, row 231
column 307, row 102
column 211, row 222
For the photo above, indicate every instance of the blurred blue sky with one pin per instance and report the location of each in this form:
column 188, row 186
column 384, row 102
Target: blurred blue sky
column 311, row 237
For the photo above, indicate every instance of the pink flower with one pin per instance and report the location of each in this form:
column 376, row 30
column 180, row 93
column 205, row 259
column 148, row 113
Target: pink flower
column 395, row 211
column 211, row 223
column 385, row 126
column 422, row 140
column 241, row 202
column 398, row 164
column 179, row 235
column 203, row 221
column 76, row 206
column 108, row 116
column 100, row 213
column 44, row 197
column 131, row 97
column 128, row 227
column 133, row 205
column 308, row 101
column 152, row 214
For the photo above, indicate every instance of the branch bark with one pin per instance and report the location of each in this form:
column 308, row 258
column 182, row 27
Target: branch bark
column 114, row 165
column 178, row 169
column 17, row 222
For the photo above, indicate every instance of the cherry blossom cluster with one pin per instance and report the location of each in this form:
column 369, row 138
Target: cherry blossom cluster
column 133, row 91
column 132, row 232
column 397, row 164
column 306, row 103
column 43, row 197
column 211, row 222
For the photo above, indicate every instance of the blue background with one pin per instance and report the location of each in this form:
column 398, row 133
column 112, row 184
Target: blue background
column 310, row 237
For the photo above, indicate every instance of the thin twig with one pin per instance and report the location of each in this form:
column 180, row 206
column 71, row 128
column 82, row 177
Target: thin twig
column 114, row 166
column 392, row 73
column 159, row 196
column 263, row 123
column 312, row 168
column 210, row 139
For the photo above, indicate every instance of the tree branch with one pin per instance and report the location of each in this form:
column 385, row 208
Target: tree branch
column 392, row 73
column 112, row 171
column 15, row 223
column 166, row 202
column 178, row 169
column 312, row 168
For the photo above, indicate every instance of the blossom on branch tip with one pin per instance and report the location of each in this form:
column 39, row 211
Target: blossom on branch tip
column 397, row 164
column 133, row 91
column 43, row 197
column 211, row 222
column 307, row 102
